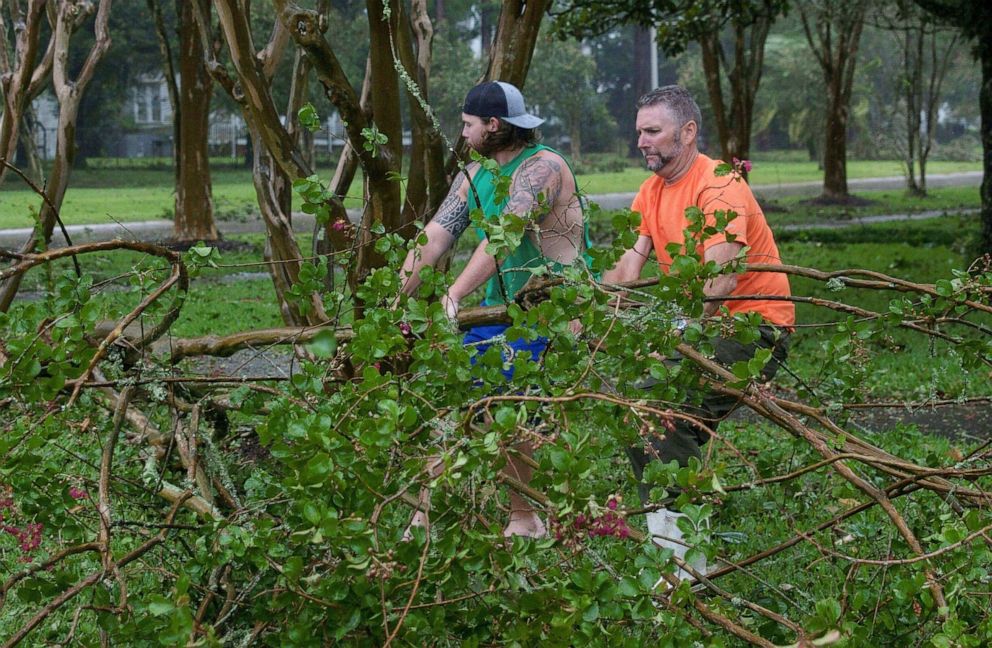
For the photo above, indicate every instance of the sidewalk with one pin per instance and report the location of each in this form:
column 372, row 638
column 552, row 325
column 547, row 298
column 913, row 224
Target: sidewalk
column 303, row 223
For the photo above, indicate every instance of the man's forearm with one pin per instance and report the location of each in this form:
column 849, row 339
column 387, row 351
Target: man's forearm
column 417, row 259
column 477, row 271
column 720, row 286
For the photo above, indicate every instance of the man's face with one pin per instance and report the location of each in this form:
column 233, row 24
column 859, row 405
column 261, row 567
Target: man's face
column 659, row 138
column 475, row 131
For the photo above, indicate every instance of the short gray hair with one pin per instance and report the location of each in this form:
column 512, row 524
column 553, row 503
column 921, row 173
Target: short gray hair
column 678, row 100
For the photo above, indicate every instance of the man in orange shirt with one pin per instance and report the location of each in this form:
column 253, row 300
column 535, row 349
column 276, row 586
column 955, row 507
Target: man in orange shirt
column 668, row 123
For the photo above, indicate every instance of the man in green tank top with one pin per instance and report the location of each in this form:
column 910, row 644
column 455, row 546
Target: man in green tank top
column 496, row 124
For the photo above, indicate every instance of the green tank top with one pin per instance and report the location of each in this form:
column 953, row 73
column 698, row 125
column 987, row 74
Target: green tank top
column 482, row 193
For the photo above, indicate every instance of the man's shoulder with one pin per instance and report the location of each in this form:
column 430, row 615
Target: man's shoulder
column 545, row 153
column 545, row 162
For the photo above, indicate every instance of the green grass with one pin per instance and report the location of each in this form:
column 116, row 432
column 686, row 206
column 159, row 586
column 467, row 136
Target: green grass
column 106, row 195
column 903, row 363
column 771, row 172
column 127, row 196
column 797, row 210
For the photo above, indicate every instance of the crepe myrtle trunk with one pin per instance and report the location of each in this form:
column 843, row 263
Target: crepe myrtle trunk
column 835, row 148
column 69, row 93
column 194, row 217
column 985, row 105
column 16, row 79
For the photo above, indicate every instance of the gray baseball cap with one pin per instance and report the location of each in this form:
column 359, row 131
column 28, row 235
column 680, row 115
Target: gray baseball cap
column 500, row 99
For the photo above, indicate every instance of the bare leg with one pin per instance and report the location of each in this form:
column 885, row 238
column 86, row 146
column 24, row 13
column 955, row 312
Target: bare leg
column 524, row 520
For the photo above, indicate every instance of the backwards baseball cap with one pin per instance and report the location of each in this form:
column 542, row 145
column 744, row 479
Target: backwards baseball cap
column 499, row 99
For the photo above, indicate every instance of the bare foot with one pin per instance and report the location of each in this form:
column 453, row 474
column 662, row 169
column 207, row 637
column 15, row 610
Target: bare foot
column 419, row 519
column 526, row 524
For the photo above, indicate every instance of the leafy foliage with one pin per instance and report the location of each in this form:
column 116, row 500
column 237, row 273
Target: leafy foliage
column 311, row 481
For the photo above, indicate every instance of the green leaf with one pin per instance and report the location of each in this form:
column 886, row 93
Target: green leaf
column 159, row 605
column 324, row 344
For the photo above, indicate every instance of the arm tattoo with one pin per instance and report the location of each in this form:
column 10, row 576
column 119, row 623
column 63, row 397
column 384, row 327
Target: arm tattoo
column 452, row 215
column 537, row 185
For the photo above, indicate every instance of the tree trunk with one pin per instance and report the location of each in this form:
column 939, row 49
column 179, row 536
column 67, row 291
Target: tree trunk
column 985, row 106
column 835, row 146
column 273, row 189
column 32, row 159
column 194, row 216
column 15, row 77
column 913, row 75
column 169, row 71
column 299, row 91
column 276, row 159
column 837, row 26
column 487, row 14
column 938, row 71
column 427, row 184
column 575, row 138
column 733, row 124
column 710, row 47
column 516, row 36
column 69, row 93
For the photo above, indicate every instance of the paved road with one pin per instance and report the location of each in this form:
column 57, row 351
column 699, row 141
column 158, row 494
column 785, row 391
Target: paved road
column 161, row 229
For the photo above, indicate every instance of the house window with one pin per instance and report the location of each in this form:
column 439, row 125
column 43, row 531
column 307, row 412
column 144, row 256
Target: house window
column 148, row 102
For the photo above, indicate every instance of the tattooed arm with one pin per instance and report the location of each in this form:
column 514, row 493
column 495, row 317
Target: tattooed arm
column 449, row 222
column 536, row 187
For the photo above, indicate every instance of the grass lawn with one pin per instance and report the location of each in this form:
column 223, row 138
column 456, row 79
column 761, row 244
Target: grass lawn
column 794, row 210
column 771, row 172
column 106, row 195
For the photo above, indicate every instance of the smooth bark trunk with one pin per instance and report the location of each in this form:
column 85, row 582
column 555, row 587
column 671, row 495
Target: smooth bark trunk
column 16, row 75
column 834, row 34
column 69, row 93
column 985, row 106
column 194, row 215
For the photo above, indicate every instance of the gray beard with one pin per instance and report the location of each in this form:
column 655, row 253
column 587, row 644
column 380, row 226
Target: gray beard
column 662, row 161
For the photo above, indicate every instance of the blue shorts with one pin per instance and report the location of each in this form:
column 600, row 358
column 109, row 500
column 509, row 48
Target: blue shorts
column 477, row 336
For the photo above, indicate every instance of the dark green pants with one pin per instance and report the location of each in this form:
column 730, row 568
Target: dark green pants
column 685, row 440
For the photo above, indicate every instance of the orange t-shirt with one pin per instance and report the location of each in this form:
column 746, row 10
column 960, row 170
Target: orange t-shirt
column 662, row 208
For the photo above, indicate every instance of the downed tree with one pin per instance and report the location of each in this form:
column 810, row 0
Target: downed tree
column 295, row 493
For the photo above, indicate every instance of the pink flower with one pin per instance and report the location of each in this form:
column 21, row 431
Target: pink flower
column 405, row 328
column 77, row 493
column 338, row 226
column 742, row 165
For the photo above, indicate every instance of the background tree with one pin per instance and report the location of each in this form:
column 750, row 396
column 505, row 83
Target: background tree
column 974, row 19
column 23, row 68
column 833, row 30
column 190, row 92
column 103, row 111
column 925, row 51
column 276, row 159
column 71, row 15
column 738, row 55
column 563, row 86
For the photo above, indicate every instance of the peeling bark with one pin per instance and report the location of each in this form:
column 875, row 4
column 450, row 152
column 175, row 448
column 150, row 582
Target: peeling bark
column 194, row 210
column 69, row 92
column 16, row 75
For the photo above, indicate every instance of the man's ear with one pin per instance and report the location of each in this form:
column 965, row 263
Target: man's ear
column 493, row 124
column 689, row 131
